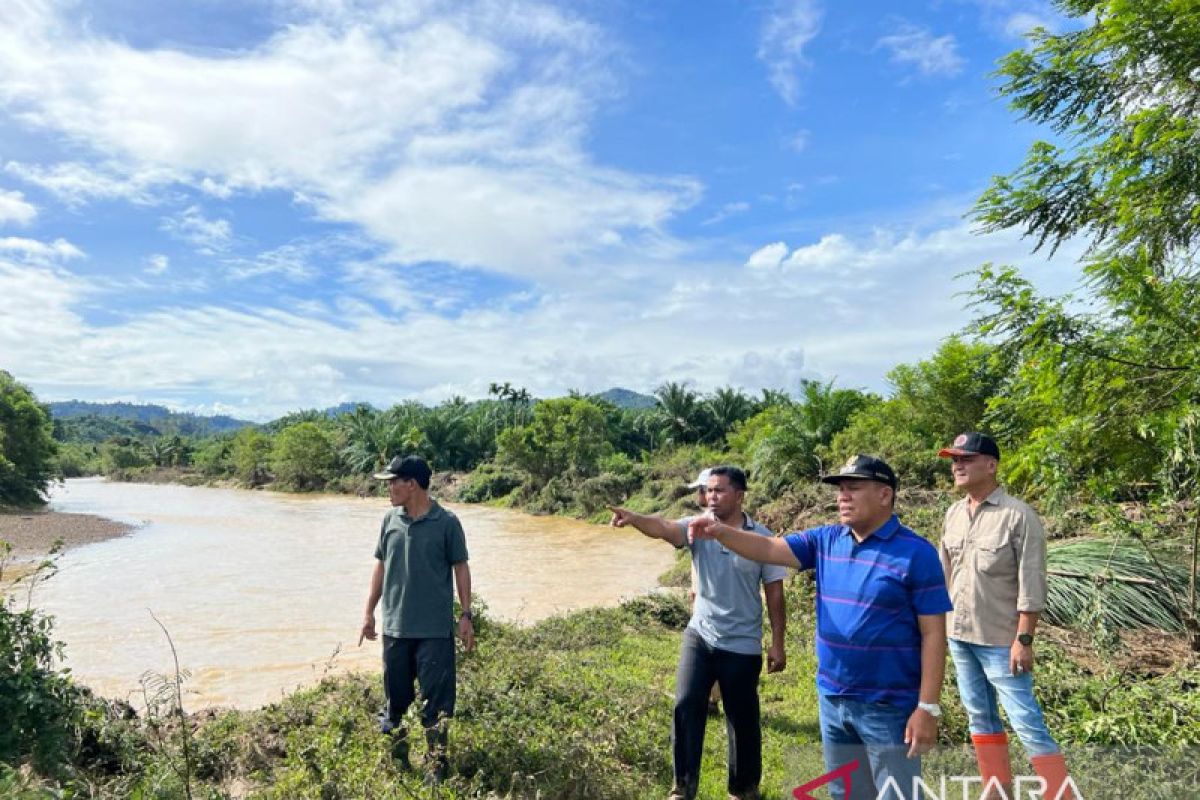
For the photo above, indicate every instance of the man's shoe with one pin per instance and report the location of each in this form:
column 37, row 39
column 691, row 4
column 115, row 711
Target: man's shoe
column 400, row 753
column 680, row 794
column 749, row 794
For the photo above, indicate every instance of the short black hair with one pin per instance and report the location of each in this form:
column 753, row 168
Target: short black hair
column 737, row 478
column 414, row 468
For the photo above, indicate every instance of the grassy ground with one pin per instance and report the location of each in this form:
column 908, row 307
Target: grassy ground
column 579, row 708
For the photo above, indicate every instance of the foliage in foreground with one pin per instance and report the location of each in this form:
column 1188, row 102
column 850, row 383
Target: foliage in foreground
column 574, row 708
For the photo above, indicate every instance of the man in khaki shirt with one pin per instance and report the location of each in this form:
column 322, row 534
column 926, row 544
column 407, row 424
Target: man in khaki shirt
column 993, row 552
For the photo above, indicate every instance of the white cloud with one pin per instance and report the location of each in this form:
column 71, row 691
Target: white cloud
column 799, row 140
column 726, row 211
column 77, row 184
column 787, row 29
column 15, row 208
column 157, row 264
column 38, row 321
column 792, row 313
column 1022, row 22
column 768, row 257
column 415, row 124
column 299, row 260
column 38, row 251
column 209, row 236
column 916, row 46
column 527, row 223
column 1012, row 19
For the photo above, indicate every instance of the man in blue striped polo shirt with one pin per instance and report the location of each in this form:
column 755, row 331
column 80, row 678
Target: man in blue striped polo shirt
column 881, row 629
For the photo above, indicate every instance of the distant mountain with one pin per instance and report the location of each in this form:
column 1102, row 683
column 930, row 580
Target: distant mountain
column 140, row 412
column 345, row 408
column 626, row 398
column 79, row 420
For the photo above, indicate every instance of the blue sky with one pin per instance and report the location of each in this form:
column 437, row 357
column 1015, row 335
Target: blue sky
column 249, row 207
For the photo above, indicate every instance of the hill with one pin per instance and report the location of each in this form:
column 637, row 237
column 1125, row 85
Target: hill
column 627, row 398
column 77, row 420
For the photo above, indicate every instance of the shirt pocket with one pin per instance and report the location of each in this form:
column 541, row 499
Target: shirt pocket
column 995, row 558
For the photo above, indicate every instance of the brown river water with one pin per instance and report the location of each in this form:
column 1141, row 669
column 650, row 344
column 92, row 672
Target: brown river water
column 263, row 592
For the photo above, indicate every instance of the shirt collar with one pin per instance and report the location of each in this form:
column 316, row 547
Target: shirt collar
column 433, row 513
column 885, row 531
column 995, row 497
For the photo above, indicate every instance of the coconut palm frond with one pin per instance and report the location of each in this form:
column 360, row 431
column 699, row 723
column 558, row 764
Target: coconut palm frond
column 1113, row 584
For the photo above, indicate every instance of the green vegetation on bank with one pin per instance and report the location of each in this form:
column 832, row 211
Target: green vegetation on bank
column 27, row 448
column 574, row 708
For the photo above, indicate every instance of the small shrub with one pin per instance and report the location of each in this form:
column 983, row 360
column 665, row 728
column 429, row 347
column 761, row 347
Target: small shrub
column 488, row 482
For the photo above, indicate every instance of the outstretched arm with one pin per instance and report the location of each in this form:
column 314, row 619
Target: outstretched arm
column 652, row 526
column 754, row 546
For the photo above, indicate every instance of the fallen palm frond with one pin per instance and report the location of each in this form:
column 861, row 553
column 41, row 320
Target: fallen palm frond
column 1116, row 585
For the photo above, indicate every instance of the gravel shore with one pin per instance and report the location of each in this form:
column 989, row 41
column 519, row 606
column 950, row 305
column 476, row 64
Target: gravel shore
column 32, row 533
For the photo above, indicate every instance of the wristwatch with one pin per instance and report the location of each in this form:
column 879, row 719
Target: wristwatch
column 467, row 615
column 932, row 709
column 1025, row 638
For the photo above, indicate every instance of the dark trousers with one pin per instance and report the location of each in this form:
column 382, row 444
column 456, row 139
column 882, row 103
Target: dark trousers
column 430, row 662
column 737, row 674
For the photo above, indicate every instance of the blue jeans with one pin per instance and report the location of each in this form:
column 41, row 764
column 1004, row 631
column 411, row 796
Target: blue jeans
column 984, row 676
column 872, row 733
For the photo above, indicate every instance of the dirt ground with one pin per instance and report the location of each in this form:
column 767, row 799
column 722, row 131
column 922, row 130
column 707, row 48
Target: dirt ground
column 32, row 533
column 1141, row 652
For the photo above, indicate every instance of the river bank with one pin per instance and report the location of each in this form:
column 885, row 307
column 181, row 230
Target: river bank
column 32, row 534
column 578, row 707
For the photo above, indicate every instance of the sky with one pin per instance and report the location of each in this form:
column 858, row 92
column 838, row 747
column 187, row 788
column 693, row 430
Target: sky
column 249, row 207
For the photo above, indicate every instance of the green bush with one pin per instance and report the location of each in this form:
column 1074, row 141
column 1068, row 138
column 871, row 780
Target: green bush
column 489, row 481
column 37, row 699
column 303, row 457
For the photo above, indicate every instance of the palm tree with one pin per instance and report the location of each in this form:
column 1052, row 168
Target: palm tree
column 367, row 442
column 681, row 413
column 727, row 407
column 824, row 410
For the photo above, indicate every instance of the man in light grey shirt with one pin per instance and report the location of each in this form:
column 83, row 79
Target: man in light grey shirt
column 723, row 640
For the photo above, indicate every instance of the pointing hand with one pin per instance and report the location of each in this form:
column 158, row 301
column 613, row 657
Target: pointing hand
column 620, row 517
column 705, row 527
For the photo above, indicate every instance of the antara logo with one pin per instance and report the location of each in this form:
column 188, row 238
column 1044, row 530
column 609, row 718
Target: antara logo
column 951, row 787
column 802, row 792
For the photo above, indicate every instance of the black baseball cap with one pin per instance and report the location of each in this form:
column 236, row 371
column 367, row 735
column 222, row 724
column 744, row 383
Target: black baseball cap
column 867, row 468
column 407, row 468
column 972, row 443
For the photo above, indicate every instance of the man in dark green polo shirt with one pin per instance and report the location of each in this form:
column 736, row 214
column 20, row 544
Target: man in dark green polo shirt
column 420, row 545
